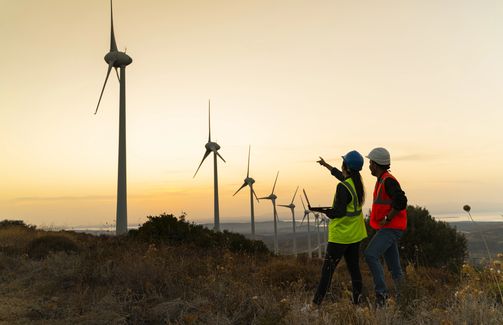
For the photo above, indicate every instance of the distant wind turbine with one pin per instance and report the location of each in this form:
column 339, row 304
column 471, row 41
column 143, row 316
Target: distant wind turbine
column 249, row 182
column 119, row 60
column 273, row 198
column 306, row 214
column 318, row 221
column 326, row 220
column 212, row 147
column 291, row 206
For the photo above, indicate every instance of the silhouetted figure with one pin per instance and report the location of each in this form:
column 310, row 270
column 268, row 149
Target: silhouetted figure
column 346, row 228
column 389, row 217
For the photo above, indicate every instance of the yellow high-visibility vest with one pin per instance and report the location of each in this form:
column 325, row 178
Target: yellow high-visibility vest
column 350, row 228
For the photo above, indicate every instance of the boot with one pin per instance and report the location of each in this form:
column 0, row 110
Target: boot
column 381, row 300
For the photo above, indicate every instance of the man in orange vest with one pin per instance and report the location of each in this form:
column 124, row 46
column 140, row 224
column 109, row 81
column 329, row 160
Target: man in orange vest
column 389, row 218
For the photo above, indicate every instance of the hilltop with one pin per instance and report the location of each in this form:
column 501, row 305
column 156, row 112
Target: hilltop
column 147, row 278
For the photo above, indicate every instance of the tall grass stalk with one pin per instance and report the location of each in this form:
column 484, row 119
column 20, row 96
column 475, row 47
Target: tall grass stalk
column 467, row 208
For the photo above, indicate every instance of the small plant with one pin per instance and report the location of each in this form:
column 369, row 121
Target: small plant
column 40, row 247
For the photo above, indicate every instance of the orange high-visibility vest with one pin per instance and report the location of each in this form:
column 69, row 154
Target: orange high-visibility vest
column 382, row 206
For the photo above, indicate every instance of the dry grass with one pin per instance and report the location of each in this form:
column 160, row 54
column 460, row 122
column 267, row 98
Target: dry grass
column 122, row 281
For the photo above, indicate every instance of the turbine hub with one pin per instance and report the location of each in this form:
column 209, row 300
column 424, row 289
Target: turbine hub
column 249, row 181
column 119, row 59
column 213, row 146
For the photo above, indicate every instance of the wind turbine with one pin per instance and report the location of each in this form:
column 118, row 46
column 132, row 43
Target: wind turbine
column 273, row 198
column 326, row 220
column 249, row 182
column 212, row 147
column 291, row 206
column 119, row 60
column 318, row 221
column 306, row 214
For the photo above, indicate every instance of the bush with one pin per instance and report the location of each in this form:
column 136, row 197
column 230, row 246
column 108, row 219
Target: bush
column 40, row 247
column 15, row 223
column 432, row 243
column 166, row 228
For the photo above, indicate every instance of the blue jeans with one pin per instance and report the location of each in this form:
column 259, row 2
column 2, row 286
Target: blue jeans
column 384, row 243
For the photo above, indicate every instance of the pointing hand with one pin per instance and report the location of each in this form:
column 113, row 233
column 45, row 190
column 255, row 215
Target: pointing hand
column 321, row 161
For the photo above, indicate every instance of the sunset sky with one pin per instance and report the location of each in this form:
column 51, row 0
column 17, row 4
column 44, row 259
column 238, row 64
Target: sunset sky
column 293, row 79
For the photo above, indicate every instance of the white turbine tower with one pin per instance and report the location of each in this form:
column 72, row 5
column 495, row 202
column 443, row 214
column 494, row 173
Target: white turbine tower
column 212, row 147
column 317, row 220
column 119, row 60
column 249, row 182
column 306, row 214
column 326, row 220
column 273, row 198
column 291, row 206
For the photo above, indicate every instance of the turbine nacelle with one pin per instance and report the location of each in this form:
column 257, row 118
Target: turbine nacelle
column 118, row 59
column 291, row 206
column 212, row 146
column 271, row 197
column 249, row 181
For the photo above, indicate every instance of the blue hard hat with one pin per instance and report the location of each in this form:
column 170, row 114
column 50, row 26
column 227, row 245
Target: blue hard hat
column 353, row 160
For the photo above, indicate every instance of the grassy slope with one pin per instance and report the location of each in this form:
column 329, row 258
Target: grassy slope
column 120, row 280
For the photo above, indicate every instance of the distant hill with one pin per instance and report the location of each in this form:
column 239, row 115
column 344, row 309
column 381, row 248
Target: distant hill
column 492, row 232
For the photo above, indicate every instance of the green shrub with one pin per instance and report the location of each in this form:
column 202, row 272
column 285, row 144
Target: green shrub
column 40, row 247
column 15, row 223
column 432, row 243
column 166, row 228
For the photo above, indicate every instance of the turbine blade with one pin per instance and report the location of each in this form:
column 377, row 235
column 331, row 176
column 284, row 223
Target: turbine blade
column 295, row 194
column 303, row 203
column 274, row 186
column 307, row 199
column 206, row 154
column 117, row 74
column 264, row 198
column 305, row 215
column 113, row 45
column 242, row 186
column 209, row 121
column 220, row 156
column 282, row 205
column 110, row 65
column 253, row 191
column 248, row 170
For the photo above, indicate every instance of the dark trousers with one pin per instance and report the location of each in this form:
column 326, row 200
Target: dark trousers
column 334, row 254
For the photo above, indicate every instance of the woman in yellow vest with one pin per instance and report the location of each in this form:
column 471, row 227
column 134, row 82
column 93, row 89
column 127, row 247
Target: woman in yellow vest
column 346, row 228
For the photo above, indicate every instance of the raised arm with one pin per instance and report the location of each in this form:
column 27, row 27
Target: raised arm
column 333, row 170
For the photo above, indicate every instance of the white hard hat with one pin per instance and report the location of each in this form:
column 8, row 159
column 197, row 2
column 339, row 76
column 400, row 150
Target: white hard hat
column 380, row 156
